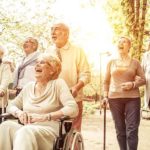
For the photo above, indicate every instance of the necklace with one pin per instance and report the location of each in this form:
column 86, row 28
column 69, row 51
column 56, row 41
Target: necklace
column 124, row 62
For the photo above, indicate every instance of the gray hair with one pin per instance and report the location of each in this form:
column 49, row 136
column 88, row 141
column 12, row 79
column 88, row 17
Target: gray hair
column 63, row 27
column 34, row 41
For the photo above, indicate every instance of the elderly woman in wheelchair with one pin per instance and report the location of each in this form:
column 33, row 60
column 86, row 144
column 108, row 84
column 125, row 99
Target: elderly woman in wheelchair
column 38, row 107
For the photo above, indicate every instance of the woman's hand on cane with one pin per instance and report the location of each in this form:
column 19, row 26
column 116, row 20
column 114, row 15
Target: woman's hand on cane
column 105, row 102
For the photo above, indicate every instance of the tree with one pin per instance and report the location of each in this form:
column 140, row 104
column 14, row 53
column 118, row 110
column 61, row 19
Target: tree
column 129, row 15
column 20, row 21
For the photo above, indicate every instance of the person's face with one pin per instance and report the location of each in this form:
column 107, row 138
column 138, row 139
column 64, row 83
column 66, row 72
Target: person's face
column 123, row 46
column 59, row 35
column 43, row 70
column 29, row 46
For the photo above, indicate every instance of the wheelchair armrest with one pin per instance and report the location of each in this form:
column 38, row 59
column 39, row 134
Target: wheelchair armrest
column 65, row 121
column 64, row 118
column 7, row 116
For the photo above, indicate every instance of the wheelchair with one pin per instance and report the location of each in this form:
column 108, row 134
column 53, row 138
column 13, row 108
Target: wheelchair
column 68, row 139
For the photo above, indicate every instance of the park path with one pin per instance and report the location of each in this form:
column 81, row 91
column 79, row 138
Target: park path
column 92, row 131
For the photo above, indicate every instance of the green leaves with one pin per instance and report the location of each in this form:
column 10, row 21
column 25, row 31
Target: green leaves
column 128, row 18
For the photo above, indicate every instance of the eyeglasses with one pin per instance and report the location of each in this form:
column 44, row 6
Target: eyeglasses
column 42, row 62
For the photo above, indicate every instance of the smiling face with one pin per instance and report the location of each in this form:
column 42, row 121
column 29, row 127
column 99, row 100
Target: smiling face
column 30, row 45
column 47, row 68
column 60, row 34
column 43, row 70
column 124, row 45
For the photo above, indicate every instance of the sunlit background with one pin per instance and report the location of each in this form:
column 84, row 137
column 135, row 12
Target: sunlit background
column 96, row 33
column 87, row 20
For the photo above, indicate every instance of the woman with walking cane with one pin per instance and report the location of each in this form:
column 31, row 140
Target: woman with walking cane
column 124, row 76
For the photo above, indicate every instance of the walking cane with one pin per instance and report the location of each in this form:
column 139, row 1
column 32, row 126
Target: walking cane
column 3, row 107
column 104, row 132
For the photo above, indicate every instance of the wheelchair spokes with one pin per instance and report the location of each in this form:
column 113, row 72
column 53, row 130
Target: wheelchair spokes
column 77, row 143
column 71, row 139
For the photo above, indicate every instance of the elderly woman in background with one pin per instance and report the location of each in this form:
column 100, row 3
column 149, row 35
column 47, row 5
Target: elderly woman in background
column 38, row 106
column 5, row 77
column 121, row 89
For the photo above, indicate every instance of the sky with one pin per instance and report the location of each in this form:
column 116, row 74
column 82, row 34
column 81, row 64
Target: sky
column 96, row 35
column 89, row 24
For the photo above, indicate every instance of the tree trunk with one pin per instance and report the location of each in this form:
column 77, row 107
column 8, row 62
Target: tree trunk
column 137, row 14
column 142, row 24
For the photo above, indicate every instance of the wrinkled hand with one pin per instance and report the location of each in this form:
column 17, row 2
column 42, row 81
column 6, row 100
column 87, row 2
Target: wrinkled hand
column 127, row 86
column 27, row 118
column 74, row 92
column 24, row 117
column 137, row 78
column 38, row 117
column 105, row 102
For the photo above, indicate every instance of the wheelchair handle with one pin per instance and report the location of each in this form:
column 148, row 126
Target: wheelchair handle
column 6, row 115
column 64, row 118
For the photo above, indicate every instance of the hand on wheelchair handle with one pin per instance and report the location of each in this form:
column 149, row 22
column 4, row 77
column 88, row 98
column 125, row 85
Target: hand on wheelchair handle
column 74, row 92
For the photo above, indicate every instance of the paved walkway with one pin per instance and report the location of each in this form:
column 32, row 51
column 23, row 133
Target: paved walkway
column 92, row 131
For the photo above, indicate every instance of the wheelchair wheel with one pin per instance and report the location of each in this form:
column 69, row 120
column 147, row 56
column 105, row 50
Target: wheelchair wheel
column 77, row 143
column 73, row 141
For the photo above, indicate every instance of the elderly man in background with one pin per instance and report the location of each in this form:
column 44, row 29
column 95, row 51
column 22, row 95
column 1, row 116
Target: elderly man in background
column 75, row 67
column 5, row 79
column 25, row 72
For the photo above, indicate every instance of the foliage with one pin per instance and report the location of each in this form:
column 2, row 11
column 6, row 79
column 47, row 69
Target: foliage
column 90, row 108
column 15, row 27
column 128, row 17
column 22, row 18
column 92, row 87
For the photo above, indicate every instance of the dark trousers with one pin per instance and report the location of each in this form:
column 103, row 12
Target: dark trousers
column 1, row 113
column 126, row 115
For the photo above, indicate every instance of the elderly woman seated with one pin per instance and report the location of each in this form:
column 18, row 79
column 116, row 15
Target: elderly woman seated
column 38, row 106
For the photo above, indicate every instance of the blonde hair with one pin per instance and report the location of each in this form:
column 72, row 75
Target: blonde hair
column 127, row 38
column 54, row 62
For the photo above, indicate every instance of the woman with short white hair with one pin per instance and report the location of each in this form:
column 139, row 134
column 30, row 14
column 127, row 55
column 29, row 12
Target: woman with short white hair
column 38, row 106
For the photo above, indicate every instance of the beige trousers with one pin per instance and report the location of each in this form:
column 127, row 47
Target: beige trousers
column 14, row 136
